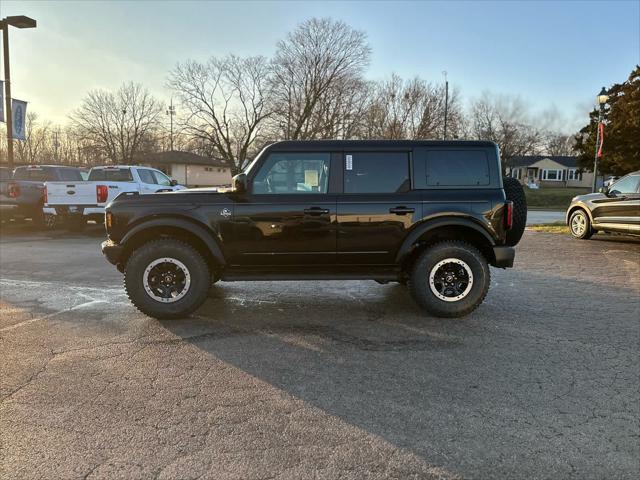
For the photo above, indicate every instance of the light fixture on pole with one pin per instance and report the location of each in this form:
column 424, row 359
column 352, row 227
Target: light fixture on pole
column 171, row 111
column 19, row 21
column 602, row 99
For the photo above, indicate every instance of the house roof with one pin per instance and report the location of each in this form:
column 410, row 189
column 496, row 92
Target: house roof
column 181, row 158
column 526, row 160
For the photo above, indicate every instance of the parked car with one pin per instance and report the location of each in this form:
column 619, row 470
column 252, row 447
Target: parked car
column 613, row 209
column 431, row 214
column 78, row 202
column 22, row 193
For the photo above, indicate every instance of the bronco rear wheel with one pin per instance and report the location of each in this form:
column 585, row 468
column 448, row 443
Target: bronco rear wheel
column 450, row 279
column 166, row 278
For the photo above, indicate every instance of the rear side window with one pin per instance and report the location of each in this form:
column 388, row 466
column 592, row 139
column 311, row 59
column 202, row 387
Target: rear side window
column 111, row 175
column 376, row 172
column 457, row 168
column 69, row 175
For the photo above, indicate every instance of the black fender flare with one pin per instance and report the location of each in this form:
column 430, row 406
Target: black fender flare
column 200, row 231
column 429, row 225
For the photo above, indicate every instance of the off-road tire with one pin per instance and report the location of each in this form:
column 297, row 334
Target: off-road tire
column 515, row 193
column 588, row 229
column 200, row 278
column 419, row 285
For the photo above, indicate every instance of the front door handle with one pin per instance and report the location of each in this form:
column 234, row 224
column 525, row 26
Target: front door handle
column 401, row 210
column 316, row 211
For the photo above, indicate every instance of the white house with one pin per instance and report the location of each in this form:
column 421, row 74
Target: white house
column 190, row 169
column 549, row 171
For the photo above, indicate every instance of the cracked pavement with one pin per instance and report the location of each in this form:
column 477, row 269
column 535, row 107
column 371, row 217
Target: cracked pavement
column 320, row 379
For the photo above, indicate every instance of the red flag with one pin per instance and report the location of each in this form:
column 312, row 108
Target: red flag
column 601, row 129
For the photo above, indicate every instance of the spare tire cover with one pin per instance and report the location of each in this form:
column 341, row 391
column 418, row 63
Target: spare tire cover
column 515, row 193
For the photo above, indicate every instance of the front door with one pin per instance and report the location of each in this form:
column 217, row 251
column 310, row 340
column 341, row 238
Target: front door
column 377, row 208
column 287, row 217
column 620, row 209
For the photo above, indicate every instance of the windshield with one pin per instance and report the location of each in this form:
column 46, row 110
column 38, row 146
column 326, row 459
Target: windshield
column 252, row 165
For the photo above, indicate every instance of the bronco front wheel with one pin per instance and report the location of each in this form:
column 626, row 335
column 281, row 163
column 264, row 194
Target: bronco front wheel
column 166, row 279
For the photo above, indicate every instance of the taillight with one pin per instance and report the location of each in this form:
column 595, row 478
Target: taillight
column 509, row 215
column 13, row 190
column 108, row 219
column 102, row 193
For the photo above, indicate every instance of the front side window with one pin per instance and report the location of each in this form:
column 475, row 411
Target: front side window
column 293, row 173
column 628, row 184
column 146, row 176
column 376, row 172
column 457, row 168
column 161, row 178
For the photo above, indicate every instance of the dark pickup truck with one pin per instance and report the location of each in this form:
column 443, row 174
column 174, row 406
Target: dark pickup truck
column 22, row 191
column 430, row 214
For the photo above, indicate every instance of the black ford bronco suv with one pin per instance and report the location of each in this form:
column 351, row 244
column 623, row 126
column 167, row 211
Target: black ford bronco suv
column 431, row 214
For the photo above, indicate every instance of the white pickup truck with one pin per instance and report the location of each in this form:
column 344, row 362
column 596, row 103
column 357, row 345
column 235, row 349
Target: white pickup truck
column 79, row 201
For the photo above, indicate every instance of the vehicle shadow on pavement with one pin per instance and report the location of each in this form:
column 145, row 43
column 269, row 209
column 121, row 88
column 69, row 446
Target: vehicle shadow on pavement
column 510, row 379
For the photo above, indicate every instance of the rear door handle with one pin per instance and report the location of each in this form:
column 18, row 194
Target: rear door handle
column 316, row 211
column 401, row 210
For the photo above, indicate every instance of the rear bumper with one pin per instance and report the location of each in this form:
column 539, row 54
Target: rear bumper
column 112, row 251
column 504, row 256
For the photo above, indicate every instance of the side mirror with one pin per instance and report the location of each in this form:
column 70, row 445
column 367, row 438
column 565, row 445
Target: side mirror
column 604, row 190
column 173, row 182
column 239, row 183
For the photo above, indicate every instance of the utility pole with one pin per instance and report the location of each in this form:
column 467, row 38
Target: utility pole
column 446, row 103
column 171, row 112
column 20, row 22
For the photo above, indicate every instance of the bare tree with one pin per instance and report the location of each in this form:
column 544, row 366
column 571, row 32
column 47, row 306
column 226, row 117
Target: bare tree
column 117, row 123
column 411, row 109
column 316, row 65
column 33, row 148
column 226, row 103
column 505, row 121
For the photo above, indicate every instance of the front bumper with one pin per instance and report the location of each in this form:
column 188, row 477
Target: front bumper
column 112, row 251
column 504, row 256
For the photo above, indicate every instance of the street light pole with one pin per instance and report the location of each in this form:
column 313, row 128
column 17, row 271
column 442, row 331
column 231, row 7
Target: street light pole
column 602, row 100
column 446, row 103
column 20, row 22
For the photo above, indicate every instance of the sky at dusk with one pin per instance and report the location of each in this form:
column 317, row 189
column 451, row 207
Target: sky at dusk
column 554, row 55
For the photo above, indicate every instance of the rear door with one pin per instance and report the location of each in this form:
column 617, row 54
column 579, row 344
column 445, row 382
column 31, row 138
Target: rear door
column 377, row 207
column 287, row 218
column 620, row 209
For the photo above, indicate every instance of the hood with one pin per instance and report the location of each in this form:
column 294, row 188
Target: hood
column 589, row 197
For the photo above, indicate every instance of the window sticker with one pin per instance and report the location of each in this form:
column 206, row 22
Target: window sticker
column 349, row 162
column 311, row 178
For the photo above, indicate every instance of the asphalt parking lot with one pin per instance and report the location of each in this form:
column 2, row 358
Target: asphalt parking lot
column 320, row 379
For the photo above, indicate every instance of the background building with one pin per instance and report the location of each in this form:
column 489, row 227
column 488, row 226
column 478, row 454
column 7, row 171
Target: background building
column 190, row 169
column 549, row 171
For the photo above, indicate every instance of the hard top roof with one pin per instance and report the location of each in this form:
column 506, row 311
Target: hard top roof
column 373, row 144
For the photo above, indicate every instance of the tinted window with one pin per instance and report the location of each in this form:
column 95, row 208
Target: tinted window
column 146, row 176
column 457, row 168
column 69, row 175
column 376, row 172
column 111, row 174
column 627, row 184
column 293, row 173
column 31, row 174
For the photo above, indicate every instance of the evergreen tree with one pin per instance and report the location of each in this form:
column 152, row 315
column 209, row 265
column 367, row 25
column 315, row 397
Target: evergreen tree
column 621, row 151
